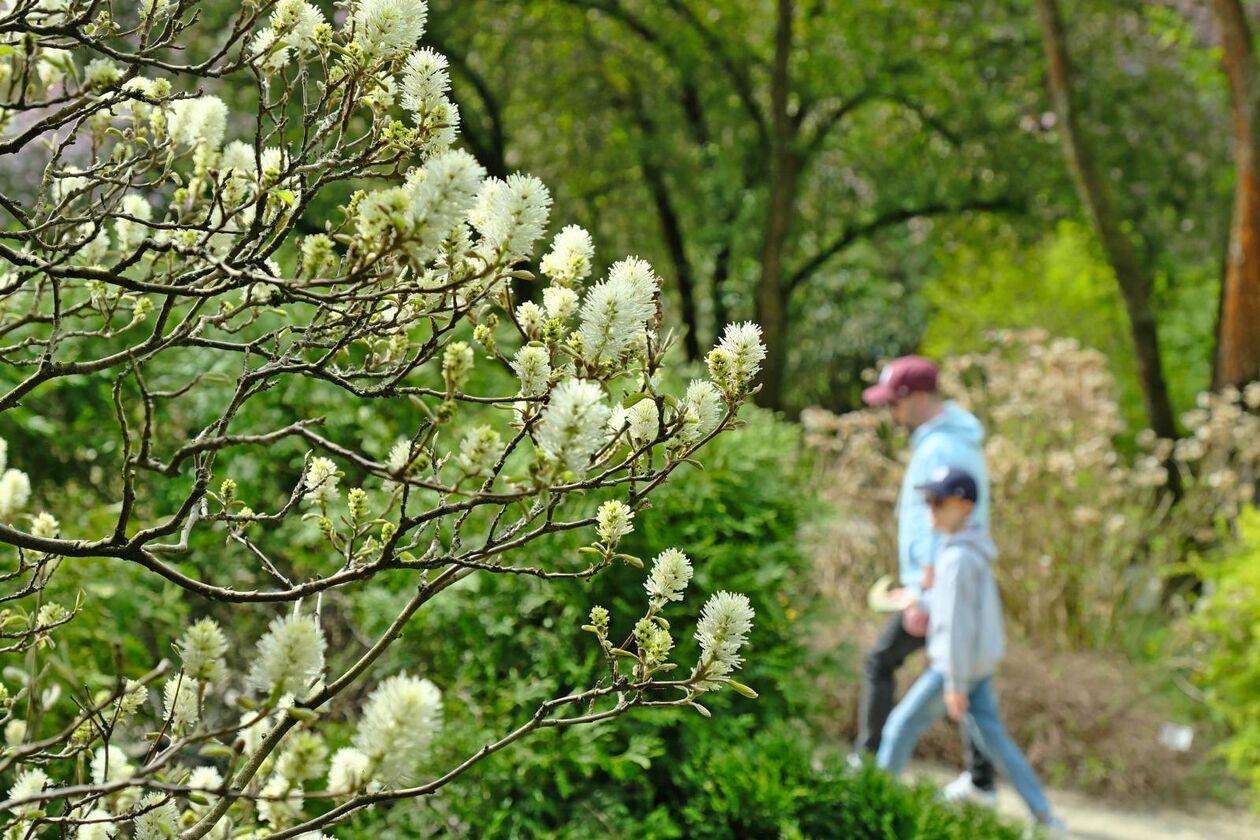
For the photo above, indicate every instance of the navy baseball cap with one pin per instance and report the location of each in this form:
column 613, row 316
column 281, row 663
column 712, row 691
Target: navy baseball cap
column 951, row 481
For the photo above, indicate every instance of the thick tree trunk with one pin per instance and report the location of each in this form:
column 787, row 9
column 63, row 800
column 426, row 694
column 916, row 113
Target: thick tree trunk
column 1135, row 283
column 771, row 291
column 1238, row 333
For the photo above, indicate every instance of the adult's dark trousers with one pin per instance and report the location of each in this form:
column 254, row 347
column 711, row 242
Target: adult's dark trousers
column 879, row 670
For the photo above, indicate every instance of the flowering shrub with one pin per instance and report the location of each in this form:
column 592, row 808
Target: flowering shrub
column 1083, row 530
column 163, row 233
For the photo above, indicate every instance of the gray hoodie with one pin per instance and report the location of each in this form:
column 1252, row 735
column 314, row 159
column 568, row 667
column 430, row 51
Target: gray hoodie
column 965, row 638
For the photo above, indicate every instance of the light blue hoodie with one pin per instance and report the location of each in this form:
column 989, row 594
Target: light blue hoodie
column 952, row 438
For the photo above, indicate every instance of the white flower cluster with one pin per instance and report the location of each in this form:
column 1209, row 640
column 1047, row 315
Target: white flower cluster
column 321, row 481
column 613, row 520
column 723, row 629
column 671, row 572
column 511, row 216
column 290, row 656
column 574, row 424
column 202, row 649
column 401, row 721
column 479, row 451
column 295, row 23
column 533, row 366
column 616, row 311
column 569, row 260
column 734, row 363
column 201, row 121
column 701, row 411
column 15, row 485
column 385, row 29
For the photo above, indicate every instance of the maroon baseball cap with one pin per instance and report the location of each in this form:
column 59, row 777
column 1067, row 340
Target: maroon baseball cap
column 900, row 377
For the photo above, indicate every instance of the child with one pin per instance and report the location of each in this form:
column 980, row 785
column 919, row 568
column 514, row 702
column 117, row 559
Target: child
column 965, row 643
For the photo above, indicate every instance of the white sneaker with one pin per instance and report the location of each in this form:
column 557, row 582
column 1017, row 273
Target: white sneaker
column 963, row 790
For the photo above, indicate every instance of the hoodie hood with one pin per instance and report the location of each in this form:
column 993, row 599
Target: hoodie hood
column 953, row 438
column 974, row 538
column 954, row 420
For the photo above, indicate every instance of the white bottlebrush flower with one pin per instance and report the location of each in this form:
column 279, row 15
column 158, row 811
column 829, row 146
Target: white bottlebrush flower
column 110, row 764
column 91, row 244
column 134, row 695
column 202, row 649
column 321, row 481
column 181, row 703
column 28, row 783
column 15, row 492
column 399, row 457
column 238, row 158
column 98, row 824
column 671, row 572
column 131, row 233
column 701, row 411
column 569, row 260
column 349, row 772
column 280, row 802
column 50, row 614
column 157, row 818
column 269, row 52
column 441, row 193
column 560, row 302
column 511, row 215
column 199, row 121
column 616, row 310
column 203, row 780
column 45, row 525
column 425, row 81
column 401, row 721
column 101, row 72
column 436, row 130
column 533, row 366
column 722, row 631
column 644, row 420
column 290, row 656
column 15, row 732
column 295, row 21
column 303, row 756
column 532, row 319
column 385, row 29
column 479, row 451
column 574, row 423
column 67, row 185
column 53, row 65
column 457, row 363
column 613, row 520
column 734, row 363
column 383, row 213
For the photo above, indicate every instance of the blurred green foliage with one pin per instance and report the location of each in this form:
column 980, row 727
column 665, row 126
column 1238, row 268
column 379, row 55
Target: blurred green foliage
column 1226, row 654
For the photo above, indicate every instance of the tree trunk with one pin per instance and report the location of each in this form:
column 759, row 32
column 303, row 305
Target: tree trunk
column 1238, row 332
column 1135, row 283
column 771, row 291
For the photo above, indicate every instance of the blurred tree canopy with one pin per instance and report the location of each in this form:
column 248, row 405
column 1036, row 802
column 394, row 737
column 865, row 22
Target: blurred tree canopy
column 815, row 166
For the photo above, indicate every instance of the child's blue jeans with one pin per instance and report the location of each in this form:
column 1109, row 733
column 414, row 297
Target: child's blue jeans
column 924, row 704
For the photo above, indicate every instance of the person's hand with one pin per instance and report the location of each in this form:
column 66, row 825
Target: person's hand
column 914, row 620
column 956, row 704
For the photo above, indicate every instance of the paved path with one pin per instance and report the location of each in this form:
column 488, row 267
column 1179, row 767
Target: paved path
column 1090, row 819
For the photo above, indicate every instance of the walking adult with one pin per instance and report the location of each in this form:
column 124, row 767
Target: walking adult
column 942, row 434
